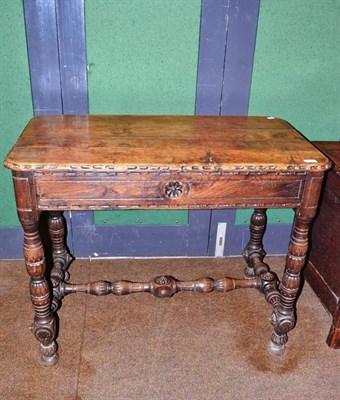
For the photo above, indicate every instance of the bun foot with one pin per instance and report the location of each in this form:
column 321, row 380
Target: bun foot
column 50, row 361
column 277, row 344
column 276, row 350
column 49, row 354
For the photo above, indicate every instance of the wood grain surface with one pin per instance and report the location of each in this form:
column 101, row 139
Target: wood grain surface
column 322, row 271
column 95, row 142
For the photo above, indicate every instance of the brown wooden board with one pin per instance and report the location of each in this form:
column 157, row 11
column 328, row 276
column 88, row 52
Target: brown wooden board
column 66, row 142
column 322, row 271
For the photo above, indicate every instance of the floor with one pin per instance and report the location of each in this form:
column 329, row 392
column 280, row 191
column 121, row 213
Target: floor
column 191, row 346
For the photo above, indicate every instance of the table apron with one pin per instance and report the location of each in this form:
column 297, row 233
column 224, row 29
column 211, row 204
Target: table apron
column 169, row 191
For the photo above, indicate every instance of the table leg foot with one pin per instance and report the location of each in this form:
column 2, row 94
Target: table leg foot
column 45, row 332
column 49, row 354
column 282, row 323
column 277, row 344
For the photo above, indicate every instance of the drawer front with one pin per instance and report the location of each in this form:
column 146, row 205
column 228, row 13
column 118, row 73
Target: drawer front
column 168, row 191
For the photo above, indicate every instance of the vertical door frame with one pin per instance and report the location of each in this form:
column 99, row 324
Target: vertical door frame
column 55, row 34
column 227, row 47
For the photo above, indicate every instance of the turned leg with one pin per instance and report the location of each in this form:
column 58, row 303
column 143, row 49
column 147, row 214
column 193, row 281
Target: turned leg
column 254, row 255
column 44, row 324
column 284, row 315
column 254, row 252
column 60, row 255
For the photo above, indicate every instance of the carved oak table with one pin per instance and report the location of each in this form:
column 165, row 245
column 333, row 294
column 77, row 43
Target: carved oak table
column 163, row 162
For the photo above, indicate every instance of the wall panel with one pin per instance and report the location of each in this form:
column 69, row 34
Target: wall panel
column 15, row 99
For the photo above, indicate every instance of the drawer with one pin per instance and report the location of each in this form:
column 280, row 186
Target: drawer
column 168, row 191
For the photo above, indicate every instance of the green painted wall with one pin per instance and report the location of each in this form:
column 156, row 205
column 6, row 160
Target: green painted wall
column 142, row 217
column 15, row 100
column 142, row 58
column 297, row 71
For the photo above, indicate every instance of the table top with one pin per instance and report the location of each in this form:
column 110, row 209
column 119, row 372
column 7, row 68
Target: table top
column 109, row 142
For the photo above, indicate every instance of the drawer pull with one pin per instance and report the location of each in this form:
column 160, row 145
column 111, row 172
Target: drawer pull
column 173, row 190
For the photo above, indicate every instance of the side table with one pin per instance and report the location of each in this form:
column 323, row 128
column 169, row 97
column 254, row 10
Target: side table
column 323, row 267
column 84, row 162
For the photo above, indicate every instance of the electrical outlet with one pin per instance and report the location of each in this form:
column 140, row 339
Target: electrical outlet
column 220, row 239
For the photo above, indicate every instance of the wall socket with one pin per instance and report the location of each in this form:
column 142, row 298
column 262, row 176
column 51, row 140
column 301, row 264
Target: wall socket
column 220, row 239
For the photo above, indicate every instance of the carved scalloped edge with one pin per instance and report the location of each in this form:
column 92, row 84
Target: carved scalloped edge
column 154, row 168
column 159, row 206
